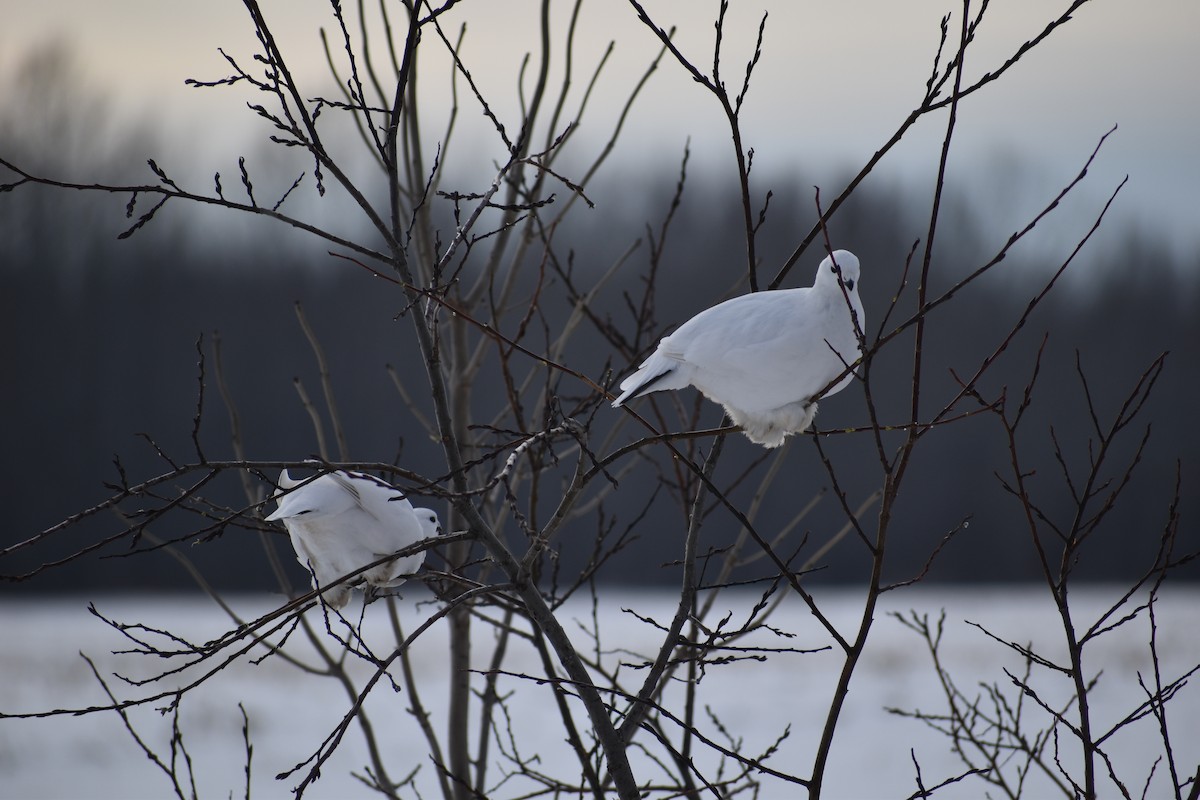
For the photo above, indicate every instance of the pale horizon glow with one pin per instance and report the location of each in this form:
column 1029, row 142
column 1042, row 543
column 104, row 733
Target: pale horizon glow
column 833, row 83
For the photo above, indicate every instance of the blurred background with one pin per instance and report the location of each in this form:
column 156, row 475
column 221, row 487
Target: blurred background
column 98, row 342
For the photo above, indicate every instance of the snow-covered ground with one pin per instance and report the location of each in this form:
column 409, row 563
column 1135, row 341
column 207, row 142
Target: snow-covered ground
column 291, row 711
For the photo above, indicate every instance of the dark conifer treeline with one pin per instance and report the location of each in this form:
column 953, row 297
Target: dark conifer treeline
column 100, row 347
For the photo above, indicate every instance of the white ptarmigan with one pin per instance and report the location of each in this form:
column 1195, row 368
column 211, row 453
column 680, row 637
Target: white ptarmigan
column 764, row 356
column 342, row 521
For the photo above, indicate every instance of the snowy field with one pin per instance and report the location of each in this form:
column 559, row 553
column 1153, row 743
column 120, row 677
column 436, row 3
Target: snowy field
column 291, row 711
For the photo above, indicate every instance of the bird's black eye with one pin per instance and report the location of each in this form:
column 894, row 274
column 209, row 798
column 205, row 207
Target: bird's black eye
column 850, row 284
column 305, row 511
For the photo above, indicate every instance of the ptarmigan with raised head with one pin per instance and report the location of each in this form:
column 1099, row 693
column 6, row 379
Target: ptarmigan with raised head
column 765, row 356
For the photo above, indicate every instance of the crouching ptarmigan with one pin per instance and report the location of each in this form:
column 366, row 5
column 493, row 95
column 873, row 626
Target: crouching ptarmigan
column 342, row 521
column 764, row 356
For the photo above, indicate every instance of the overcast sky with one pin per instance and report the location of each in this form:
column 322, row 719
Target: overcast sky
column 834, row 81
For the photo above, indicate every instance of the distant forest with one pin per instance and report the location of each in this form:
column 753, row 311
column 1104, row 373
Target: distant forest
column 100, row 345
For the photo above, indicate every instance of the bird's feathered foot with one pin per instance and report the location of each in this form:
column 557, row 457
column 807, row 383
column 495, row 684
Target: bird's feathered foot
column 771, row 428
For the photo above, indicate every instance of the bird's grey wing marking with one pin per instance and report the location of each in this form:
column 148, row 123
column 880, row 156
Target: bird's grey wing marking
column 349, row 486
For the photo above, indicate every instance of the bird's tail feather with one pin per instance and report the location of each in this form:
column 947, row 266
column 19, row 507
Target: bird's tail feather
column 657, row 373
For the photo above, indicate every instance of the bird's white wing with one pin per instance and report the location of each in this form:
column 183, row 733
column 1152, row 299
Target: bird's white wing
column 763, row 351
column 701, row 342
column 743, row 323
column 384, row 523
column 742, row 352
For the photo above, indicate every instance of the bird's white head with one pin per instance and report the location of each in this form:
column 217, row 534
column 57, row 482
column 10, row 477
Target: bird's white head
column 431, row 526
column 322, row 497
column 843, row 264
